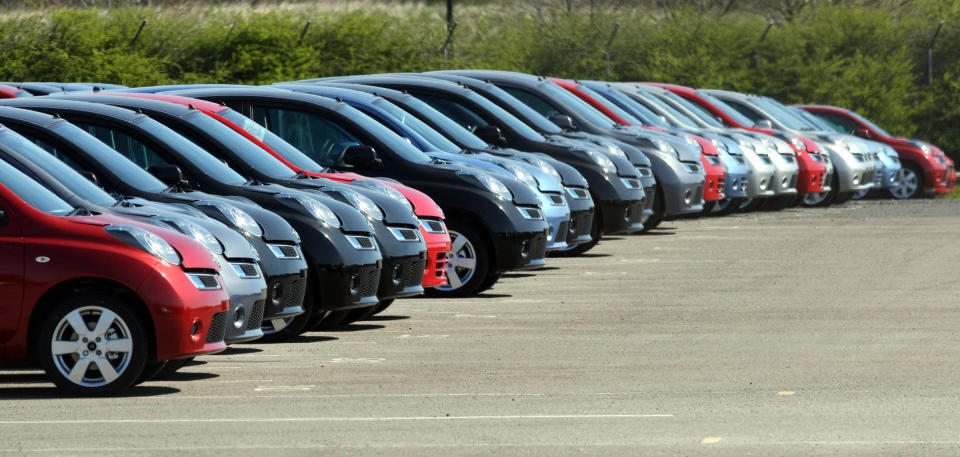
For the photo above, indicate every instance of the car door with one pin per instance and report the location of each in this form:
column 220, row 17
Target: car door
column 11, row 271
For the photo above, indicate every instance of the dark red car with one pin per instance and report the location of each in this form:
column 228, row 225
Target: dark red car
column 99, row 301
column 812, row 172
column 432, row 226
column 13, row 92
column 926, row 169
column 716, row 174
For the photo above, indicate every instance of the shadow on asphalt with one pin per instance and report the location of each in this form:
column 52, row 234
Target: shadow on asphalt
column 492, row 296
column 354, row 328
column 659, row 232
column 546, row 268
column 379, row 318
column 188, row 376
column 52, row 393
column 236, row 350
column 589, row 255
column 310, row 339
column 517, row 275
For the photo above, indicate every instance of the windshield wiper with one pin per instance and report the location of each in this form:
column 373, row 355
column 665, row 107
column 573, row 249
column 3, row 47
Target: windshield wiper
column 80, row 211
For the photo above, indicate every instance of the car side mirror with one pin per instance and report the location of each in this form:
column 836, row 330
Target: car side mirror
column 563, row 121
column 90, row 176
column 170, row 175
column 361, row 156
column 3, row 217
column 862, row 133
column 491, row 134
column 763, row 124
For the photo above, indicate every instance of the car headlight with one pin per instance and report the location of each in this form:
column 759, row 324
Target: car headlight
column 390, row 191
column 236, row 216
column 693, row 143
column 196, row 232
column 362, row 203
column 145, row 241
column 492, row 184
column 523, row 175
column 314, row 208
column 601, row 160
column 546, row 168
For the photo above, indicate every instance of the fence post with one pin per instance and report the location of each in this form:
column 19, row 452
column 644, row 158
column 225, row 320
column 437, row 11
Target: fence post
column 930, row 53
column 756, row 49
column 613, row 35
column 448, row 42
column 143, row 24
column 304, row 31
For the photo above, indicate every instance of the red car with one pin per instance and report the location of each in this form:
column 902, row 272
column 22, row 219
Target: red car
column 99, row 301
column 926, row 169
column 812, row 172
column 715, row 171
column 13, row 92
column 431, row 216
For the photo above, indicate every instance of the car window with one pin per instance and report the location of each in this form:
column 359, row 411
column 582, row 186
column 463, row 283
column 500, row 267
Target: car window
column 629, row 118
column 281, row 147
column 745, row 111
column 125, row 144
column 718, row 104
column 447, row 126
column 848, row 125
column 464, row 116
column 59, row 170
column 637, row 109
column 693, row 109
column 320, row 139
column 534, row 101
column 869, row 124
column 31, row 192
column 432, row 136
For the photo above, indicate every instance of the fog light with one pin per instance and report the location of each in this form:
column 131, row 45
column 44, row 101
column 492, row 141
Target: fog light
column 354, row 283
column 687, row 197
column 856, row 179
column 627, row 214
column 195, row 329
column 239, row 317
column 276, row 294
column 763, row 184
column 525, row 248
column 785, row 182
column 396, row 273
column 813, row 179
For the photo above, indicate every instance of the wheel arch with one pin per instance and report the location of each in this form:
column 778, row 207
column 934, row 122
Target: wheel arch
column 77, row 286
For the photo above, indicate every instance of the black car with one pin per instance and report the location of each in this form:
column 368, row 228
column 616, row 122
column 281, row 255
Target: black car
column 495, row 223
column 461, row 140
column 395, row 225
column 337, row 241
column 614, row 183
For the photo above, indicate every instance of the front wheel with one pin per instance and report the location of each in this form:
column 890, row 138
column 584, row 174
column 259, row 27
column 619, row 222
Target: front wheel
column 277, row 330
column 93, row 344
column 908, row 182
column 725, row 206
column 468, row 263
column 577, row 249
column 658, row 209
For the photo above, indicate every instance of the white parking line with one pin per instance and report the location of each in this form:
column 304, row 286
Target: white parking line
column 335, row 419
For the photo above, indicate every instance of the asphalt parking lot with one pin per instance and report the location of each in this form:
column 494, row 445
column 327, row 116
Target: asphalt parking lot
column 803, row 332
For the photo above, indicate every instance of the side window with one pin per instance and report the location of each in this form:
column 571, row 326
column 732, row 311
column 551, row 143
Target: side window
column 538, row 103
column 57, row 153
column 848, row 125
column 125, row 144
column 742, row 109
column 320, row 139
column 459, row 113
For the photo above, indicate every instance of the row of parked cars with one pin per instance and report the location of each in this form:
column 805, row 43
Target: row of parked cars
column 142, row 227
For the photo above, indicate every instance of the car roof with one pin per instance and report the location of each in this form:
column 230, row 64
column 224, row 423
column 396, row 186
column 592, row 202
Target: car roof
column 64, row 103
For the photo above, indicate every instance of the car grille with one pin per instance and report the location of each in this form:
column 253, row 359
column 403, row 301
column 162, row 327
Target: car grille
column 558, row 235
column 295, row 292
column 284, row 251
column 368, row 286
column 539, row 249
column 256, row 315
column 246, row 270
column 556, row 199
column 218, row 327
column 415, row 273
column 787, row 157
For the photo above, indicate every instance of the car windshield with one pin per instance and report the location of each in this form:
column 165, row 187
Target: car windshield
column 126, row 170
column 143, row 155
column 643, row 113
column 693, row 111
column 732, row 113
column 279, row 145
column 579, row 106
column 432, row 136
column 823, row 123
column 629, row 118
column 869, row 124
column 782, row 114
column 59, row 170
column 501, row 115
column 31, row 192
column 443, row 123
column 251, row 154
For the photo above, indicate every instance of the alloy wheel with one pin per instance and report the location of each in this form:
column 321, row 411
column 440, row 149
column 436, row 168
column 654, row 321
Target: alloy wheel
column 814, row 198
column 906, row 185
column 461, row 262
column 91, row 346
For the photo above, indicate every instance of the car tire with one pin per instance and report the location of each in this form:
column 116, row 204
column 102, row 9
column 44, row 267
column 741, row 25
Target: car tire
column 725, row 206
column 595, row 235
column 821, row 199
column 278, row 330
column 77, row 367
column 751, row 204
column 658, row 209
column 468, row 264
column 150, row 371
column 909, row 182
